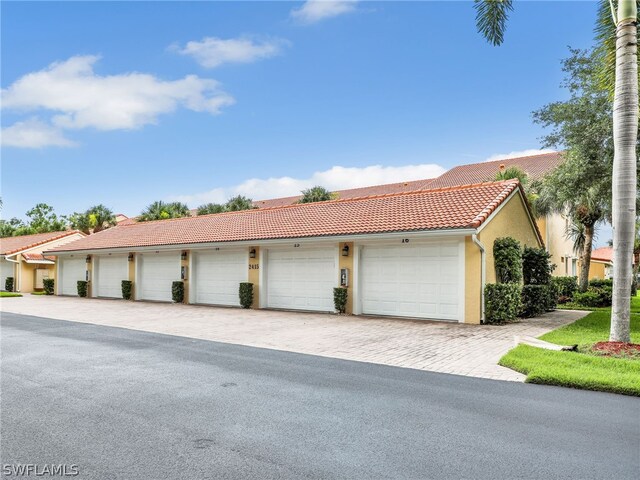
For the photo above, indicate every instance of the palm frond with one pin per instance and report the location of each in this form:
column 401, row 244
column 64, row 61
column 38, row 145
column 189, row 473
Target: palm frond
column 605, row 34
column 491, row 19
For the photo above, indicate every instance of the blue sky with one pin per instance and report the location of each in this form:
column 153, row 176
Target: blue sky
column 199, row 101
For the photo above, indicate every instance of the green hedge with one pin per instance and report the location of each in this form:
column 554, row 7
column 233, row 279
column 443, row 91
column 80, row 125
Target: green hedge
column 536, row 267
column 340, row 299
column 566, row 286
column 551, row 297
column 127, row 289
column 534, row 300
column 501, row 302
column 594, row 297
column 48, row 284
column 8, row 284
column 507, row 256
column 177, row 291
column 598, row 283
column 246, row 294
column 82, row 288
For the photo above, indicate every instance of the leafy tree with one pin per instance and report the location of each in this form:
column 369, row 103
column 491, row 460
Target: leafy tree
column 491, row 19
column 237, row 203
column 93, row 220
column 209, row 208
column 531, row 189
column 13, row 227
column 162, row 211
column 43, row 219
column 581, row 187
column 316, row 194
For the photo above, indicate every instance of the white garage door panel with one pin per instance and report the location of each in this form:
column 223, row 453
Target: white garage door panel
column 217, row 275
column 110, row 271
column 157, row 272
column 422, row 281
column 301, row 279
column 6, row 271
column 71, row 270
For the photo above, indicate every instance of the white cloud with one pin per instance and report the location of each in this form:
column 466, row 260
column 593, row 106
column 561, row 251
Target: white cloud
column 520, row 153
column 336, row 178
column 33, row 133
column 212, row 52
column 316, row 10
column 80, row 98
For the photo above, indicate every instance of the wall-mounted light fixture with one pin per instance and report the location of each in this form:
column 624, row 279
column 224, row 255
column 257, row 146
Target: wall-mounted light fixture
column 130, row 257
column 183, row 255
column 88, row 259
column 252, row 253
column 345, row 251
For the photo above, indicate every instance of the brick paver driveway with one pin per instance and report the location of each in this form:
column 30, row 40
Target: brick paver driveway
column 471, row 350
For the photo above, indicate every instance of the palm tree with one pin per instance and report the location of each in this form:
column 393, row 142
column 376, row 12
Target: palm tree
column 237, row 203
column 209, row 208
column 163, row 211
column 491, row 20
column 101, row 218
column 316, row 194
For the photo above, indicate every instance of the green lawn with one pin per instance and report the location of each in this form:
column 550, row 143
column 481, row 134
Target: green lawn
column 581, row 370
column 10, row 294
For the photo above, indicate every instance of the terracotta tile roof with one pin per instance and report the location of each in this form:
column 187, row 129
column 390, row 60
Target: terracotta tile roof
column 11, row 245
column 535, row 166
column 604, row 254
column 353, row 192
column 37, row 257
column 438, row 209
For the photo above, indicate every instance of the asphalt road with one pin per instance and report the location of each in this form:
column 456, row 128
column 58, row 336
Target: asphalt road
column 122, row 404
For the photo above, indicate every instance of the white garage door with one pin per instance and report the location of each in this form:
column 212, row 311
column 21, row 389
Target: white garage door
column 6, row 270
column 217, row 275
column 157, row 271
column 302, row 279
column 71, row 270
column 413, row 280
column 109, row 273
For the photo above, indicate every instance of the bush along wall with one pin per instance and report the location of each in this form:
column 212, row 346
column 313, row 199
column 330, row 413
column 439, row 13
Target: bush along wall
column 8, row 284
column 534, row 300
column 536, row 267
column 501, row 302
column 566, row 286
column 127, row 289
column 177, row 291
column 536, row 272
column 82, row 288
column 340, row 299
column 507, row 256
column 48, row 285
column 246, row 294
column 599, row 294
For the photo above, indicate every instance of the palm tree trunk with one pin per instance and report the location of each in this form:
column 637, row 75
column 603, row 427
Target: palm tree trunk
column 585, row 258
column 625, row 130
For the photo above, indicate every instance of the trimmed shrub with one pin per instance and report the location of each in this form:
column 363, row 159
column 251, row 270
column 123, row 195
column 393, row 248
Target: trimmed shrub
column 127, row 289
column 598, row 283
column 566, row 286
column 507, row 255
column 82, row 288
column 535, row 299
column 594, row 297
column 177, row 291
column 340, row 299
column 536, row 268
column 48, row 284
column 8, row 284
column 246, row 294
column 501, row 302
column 551, row 297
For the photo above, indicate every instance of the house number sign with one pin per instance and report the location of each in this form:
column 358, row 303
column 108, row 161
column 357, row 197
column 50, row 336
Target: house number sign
column 254, row 266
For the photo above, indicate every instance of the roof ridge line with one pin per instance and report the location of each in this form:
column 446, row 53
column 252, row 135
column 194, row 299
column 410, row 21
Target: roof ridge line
column 325, row 202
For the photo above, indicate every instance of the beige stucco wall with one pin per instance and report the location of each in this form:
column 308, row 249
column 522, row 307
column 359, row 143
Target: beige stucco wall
column 347, row 262
column 597, row 270
column 185, row 263
column 512, row 220
column 557, row 244
column 254, row 276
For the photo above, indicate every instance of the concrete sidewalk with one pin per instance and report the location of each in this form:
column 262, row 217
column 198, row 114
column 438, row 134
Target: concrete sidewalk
column 471, row 350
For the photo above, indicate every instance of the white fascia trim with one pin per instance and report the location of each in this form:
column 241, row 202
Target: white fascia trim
column 42, row 245
column 456, row 232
